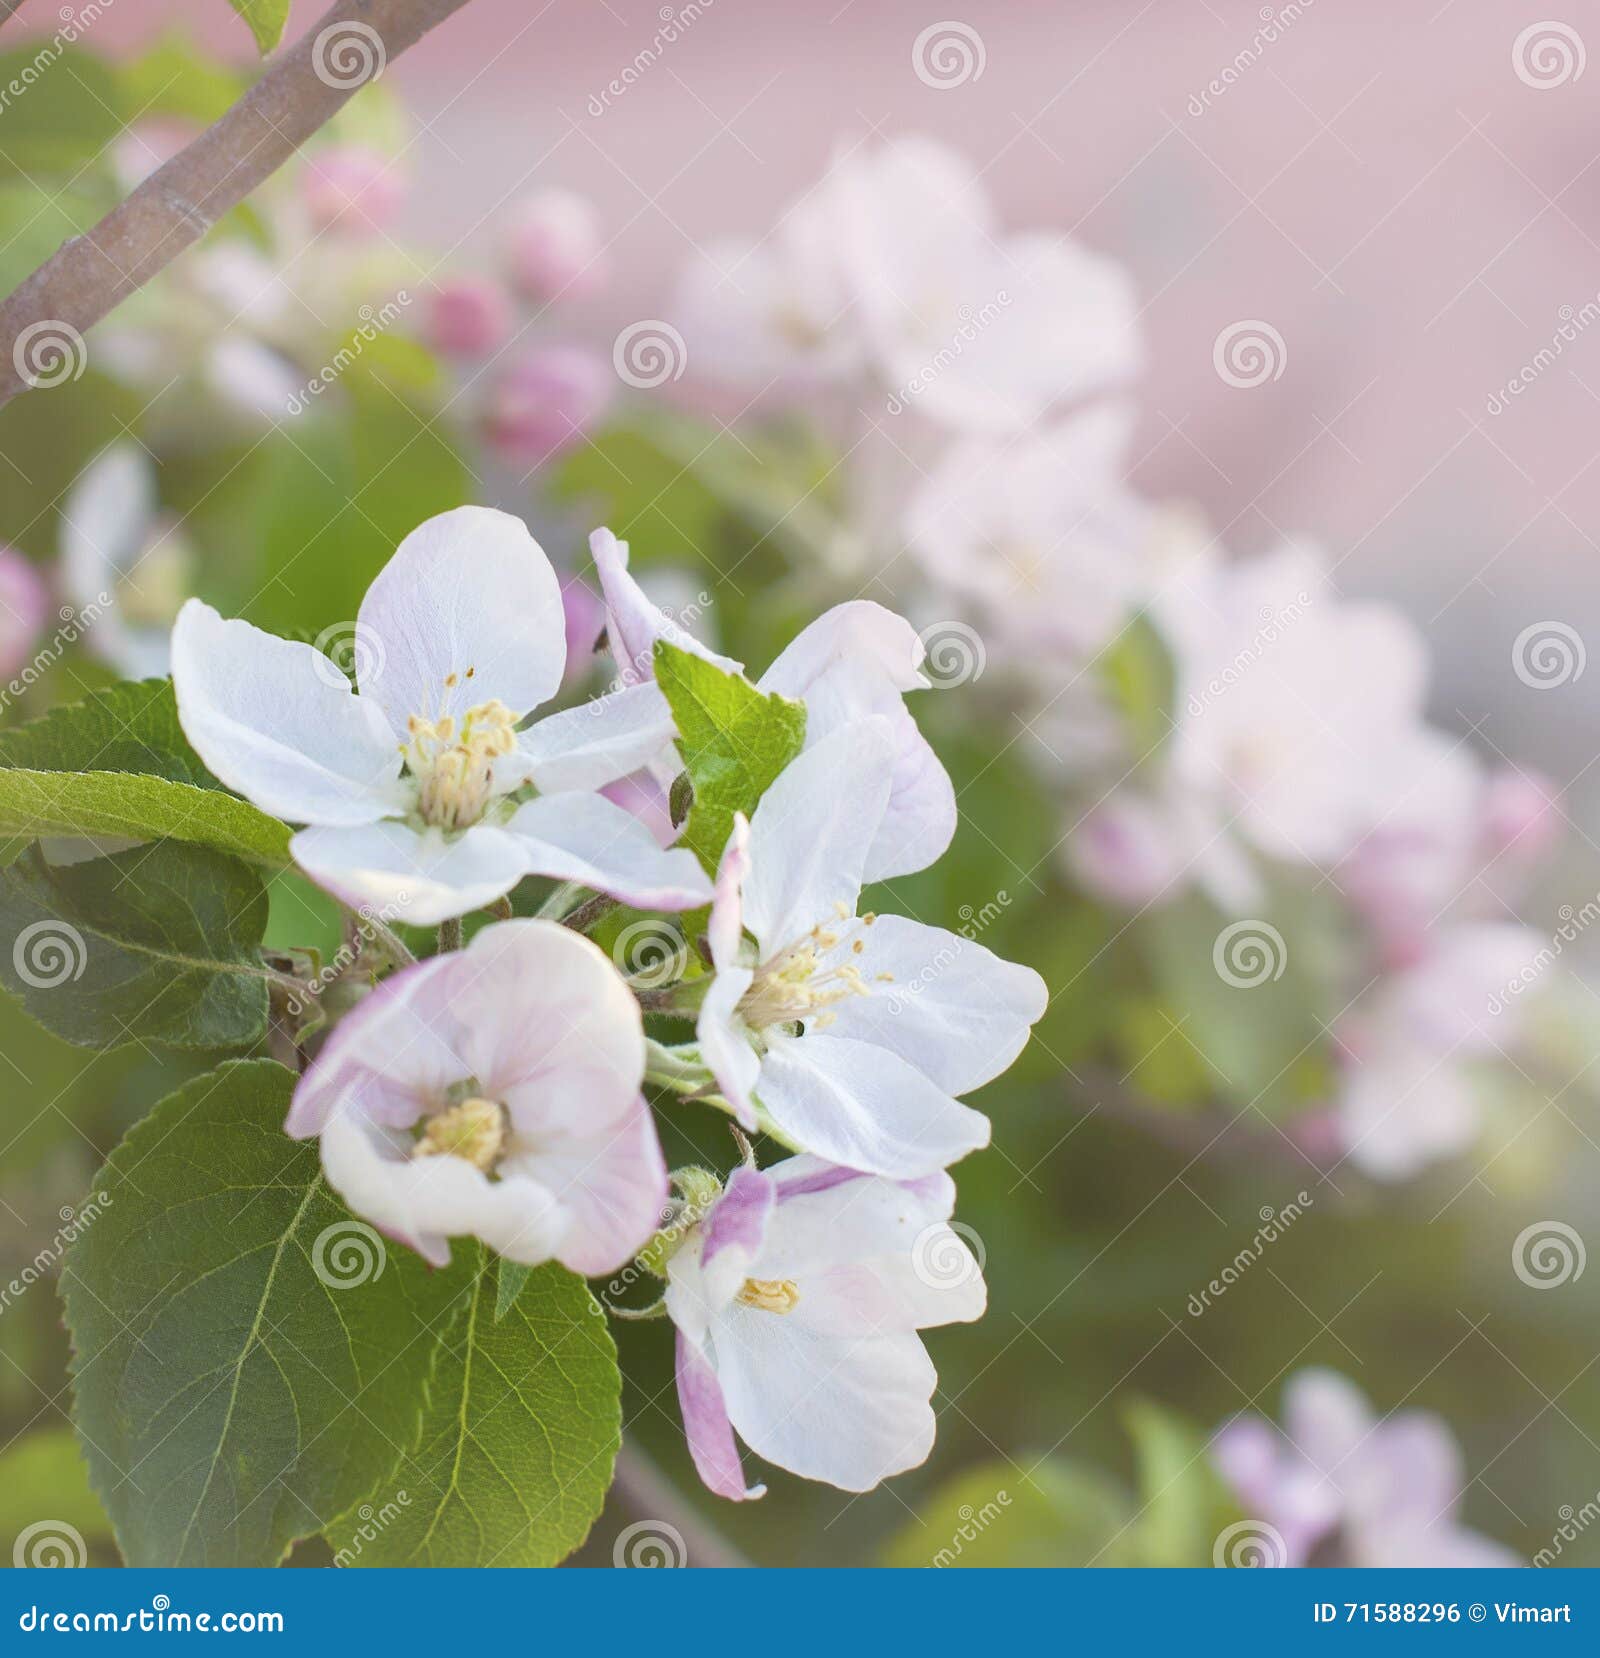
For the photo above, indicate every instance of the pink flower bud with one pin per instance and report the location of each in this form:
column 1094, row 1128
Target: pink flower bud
column 553, row 246
column 1520, row 819
column 545, row 400
column 1123, row 851
column 642, row 795
column 468, row 316
column 24, row 604
column 352, row 189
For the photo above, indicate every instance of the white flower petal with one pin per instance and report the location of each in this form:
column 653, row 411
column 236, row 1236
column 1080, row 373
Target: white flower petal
column 104, row 521
column 469, row 591
column 950, row 1007
column 588, row 839
column 851, row 1412
column 634, row 621
column 272, row 719
column 594, row 744
column 859, row 1105
column 725, row 1045
column 810, row 835
column 419, row 878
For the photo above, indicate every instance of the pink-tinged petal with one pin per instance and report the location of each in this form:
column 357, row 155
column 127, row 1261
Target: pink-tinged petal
column 856, row 661
column 276, row 721
column 468, row 317
column 860, row 1105
column 706, row 1426
column 595, row 743
column 634, row 621
column 545, row 400
column 425, row 1201
column 1326, row 1417
column 588, row 839
column 810, row 835
column 828, row 1217
column 467, row 610
column 644, row 796
column 419, row 877
column 850, row 1411
column 725, row 1043
column 944, row 1003
column 352, row 189
column 732, row 1233
column 585, row 615
column 553, row 1031
column 388, row 1058
column 553, row 246
column 725, row 930
column 24, row 604
column 612, row 1187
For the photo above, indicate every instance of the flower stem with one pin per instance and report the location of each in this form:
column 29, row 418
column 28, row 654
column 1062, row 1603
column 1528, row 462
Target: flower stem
column 450, row 934
column 589, row 912
column 645, row 1491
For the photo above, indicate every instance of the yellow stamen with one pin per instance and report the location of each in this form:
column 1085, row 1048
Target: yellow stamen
column 475, row 1130
column 771, row 1295
column 454, row 772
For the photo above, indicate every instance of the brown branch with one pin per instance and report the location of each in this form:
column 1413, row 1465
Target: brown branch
column 90, row 274
column 8, row 10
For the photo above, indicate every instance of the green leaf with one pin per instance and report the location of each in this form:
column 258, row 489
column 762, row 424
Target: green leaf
column 118, row 764
column 1053, row 1514
column 1183, row 1502
column 247, row 1360
column 266, row 20
column 155, row 944
column 734, row 740
column 513, row 1278
column 62, row 110
column 173, row 77
column 523, row 1425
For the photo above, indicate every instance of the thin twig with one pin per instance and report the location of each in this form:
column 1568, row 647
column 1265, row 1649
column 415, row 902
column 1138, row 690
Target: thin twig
column 589, row 912
column 642, row 1488
column 88, row 275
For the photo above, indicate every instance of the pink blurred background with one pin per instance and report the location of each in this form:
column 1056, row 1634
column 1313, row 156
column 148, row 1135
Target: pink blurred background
column 1379, row 184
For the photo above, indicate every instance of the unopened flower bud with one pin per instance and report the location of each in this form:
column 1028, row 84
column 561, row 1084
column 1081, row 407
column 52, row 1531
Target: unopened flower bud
column 352, row 189
column 553, row 246
column 24, row 602
column 468, row 316
column 545, row 401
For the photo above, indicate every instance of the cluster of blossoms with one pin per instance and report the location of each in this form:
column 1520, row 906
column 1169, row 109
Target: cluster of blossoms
column 496, row 1091
column 978, row 375
column 1340, row 1487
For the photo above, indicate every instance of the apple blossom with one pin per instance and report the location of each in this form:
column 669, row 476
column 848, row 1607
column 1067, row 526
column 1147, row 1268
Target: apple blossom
column 848, row 1036
column 797, row 1301
column 856, row 661
column 24, row 603
column 493, row 1092
column 553, row 246
column 892, row 269
column 544, row 400
column 468, row 317
column 410, row 786
column 117, row 546
column 351, row 189
column 1342, row 1487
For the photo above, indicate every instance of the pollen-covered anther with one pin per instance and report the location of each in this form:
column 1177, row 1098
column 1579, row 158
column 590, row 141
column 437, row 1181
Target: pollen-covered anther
column 475, row 1130
column 797, row 984
column 770, row 1295
column 454, row 769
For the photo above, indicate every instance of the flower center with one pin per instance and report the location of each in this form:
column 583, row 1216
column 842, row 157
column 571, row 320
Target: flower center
column 771, row 1295
column 798, row 983
column 151, row 592
column 454, row 767
column 475, row 1129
